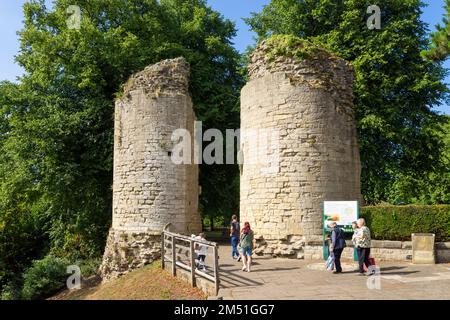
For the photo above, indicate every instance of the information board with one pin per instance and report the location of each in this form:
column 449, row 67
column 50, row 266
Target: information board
column 341, row 212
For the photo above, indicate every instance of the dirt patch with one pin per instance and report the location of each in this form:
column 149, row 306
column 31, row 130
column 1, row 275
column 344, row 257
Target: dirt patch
column 148, row 283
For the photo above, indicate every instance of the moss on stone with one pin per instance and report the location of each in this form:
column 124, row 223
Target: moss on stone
column 305, row 63
column 292, row 46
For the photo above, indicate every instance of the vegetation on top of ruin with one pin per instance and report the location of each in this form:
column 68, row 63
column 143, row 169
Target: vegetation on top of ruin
column 286, row 45
column 307, row 63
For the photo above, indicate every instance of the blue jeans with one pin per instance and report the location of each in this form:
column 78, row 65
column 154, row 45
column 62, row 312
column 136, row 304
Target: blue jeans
column 234, row 244
column 201, row 261
column 247, row 251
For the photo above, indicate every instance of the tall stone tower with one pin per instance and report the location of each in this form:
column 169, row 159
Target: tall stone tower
column 303, row 95
column 149, row 190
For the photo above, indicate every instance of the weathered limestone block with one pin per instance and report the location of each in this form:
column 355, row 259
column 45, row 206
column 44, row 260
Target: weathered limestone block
column 423, row 251
column 387, row 244
column 126, row 251
column 301, row 97
column 149, row 190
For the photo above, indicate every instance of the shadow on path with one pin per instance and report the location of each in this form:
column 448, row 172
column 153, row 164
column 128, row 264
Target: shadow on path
column 230, row 279
column 398, row 273
column 390, row 268
column 276, row 269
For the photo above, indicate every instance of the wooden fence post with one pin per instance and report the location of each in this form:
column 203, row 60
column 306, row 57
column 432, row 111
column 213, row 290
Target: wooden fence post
column 174, row 257
column 192, row 249
column 163, row 253
column 216, row 269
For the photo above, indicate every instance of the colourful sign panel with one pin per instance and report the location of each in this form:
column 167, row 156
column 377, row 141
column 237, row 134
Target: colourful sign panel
column 341, row 212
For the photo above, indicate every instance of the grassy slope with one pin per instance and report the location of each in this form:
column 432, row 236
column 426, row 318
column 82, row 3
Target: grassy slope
column 148, row 283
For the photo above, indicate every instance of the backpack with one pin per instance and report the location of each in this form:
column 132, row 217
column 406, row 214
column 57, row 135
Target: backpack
column 340, row 240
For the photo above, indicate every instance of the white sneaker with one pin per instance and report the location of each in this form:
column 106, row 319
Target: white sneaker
column 248, row 269
column 244, row 268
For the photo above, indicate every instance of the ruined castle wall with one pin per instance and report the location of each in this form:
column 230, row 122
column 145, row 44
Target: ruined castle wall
column 149, row 190
column 308, row 104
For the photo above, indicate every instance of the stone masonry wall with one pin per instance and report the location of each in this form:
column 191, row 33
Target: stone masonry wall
column 149, row 190
column 309, row 104
column 383, row 250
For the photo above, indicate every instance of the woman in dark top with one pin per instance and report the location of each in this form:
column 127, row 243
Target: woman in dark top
column 234, row 234
column 337, row 245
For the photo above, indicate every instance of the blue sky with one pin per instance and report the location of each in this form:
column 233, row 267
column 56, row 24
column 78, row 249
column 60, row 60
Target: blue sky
column 11, row 21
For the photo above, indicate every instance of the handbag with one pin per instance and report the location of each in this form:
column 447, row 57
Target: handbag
column 329, row 264
column 240, row 241
column 371, row 261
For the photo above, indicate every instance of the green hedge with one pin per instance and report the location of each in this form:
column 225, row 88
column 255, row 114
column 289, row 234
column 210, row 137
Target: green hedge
column 398, row 222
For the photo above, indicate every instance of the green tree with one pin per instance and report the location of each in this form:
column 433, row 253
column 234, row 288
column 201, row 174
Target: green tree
column 395, row 89
column 440, row 48
column 21, row 236
column 56, row 125
column 430, row 188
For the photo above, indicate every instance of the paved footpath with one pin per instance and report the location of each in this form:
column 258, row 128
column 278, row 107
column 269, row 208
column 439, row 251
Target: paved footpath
column 277, row 278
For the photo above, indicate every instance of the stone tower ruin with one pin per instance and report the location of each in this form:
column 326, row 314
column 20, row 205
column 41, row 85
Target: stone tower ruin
column 149, row 190
column 303, row 95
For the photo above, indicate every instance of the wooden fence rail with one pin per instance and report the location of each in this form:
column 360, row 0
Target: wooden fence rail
column 179, row 250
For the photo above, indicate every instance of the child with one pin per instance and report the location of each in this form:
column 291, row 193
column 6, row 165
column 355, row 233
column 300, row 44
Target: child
column 201, row 251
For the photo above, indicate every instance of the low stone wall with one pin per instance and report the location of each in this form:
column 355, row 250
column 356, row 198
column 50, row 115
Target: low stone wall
column 126, row 251
column 442, row 252
column 382, row 251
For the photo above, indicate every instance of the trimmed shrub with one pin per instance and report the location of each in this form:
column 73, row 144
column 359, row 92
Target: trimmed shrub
column 399, row 222
column 44, row 278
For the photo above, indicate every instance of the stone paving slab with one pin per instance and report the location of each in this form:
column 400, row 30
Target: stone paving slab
column 272, row 279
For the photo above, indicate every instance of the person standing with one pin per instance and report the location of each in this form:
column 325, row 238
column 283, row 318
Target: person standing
column 355, row 234
column 337, row 245
column 363, row 242
column 234, row 235
column 246, row 246
column 201, row 251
